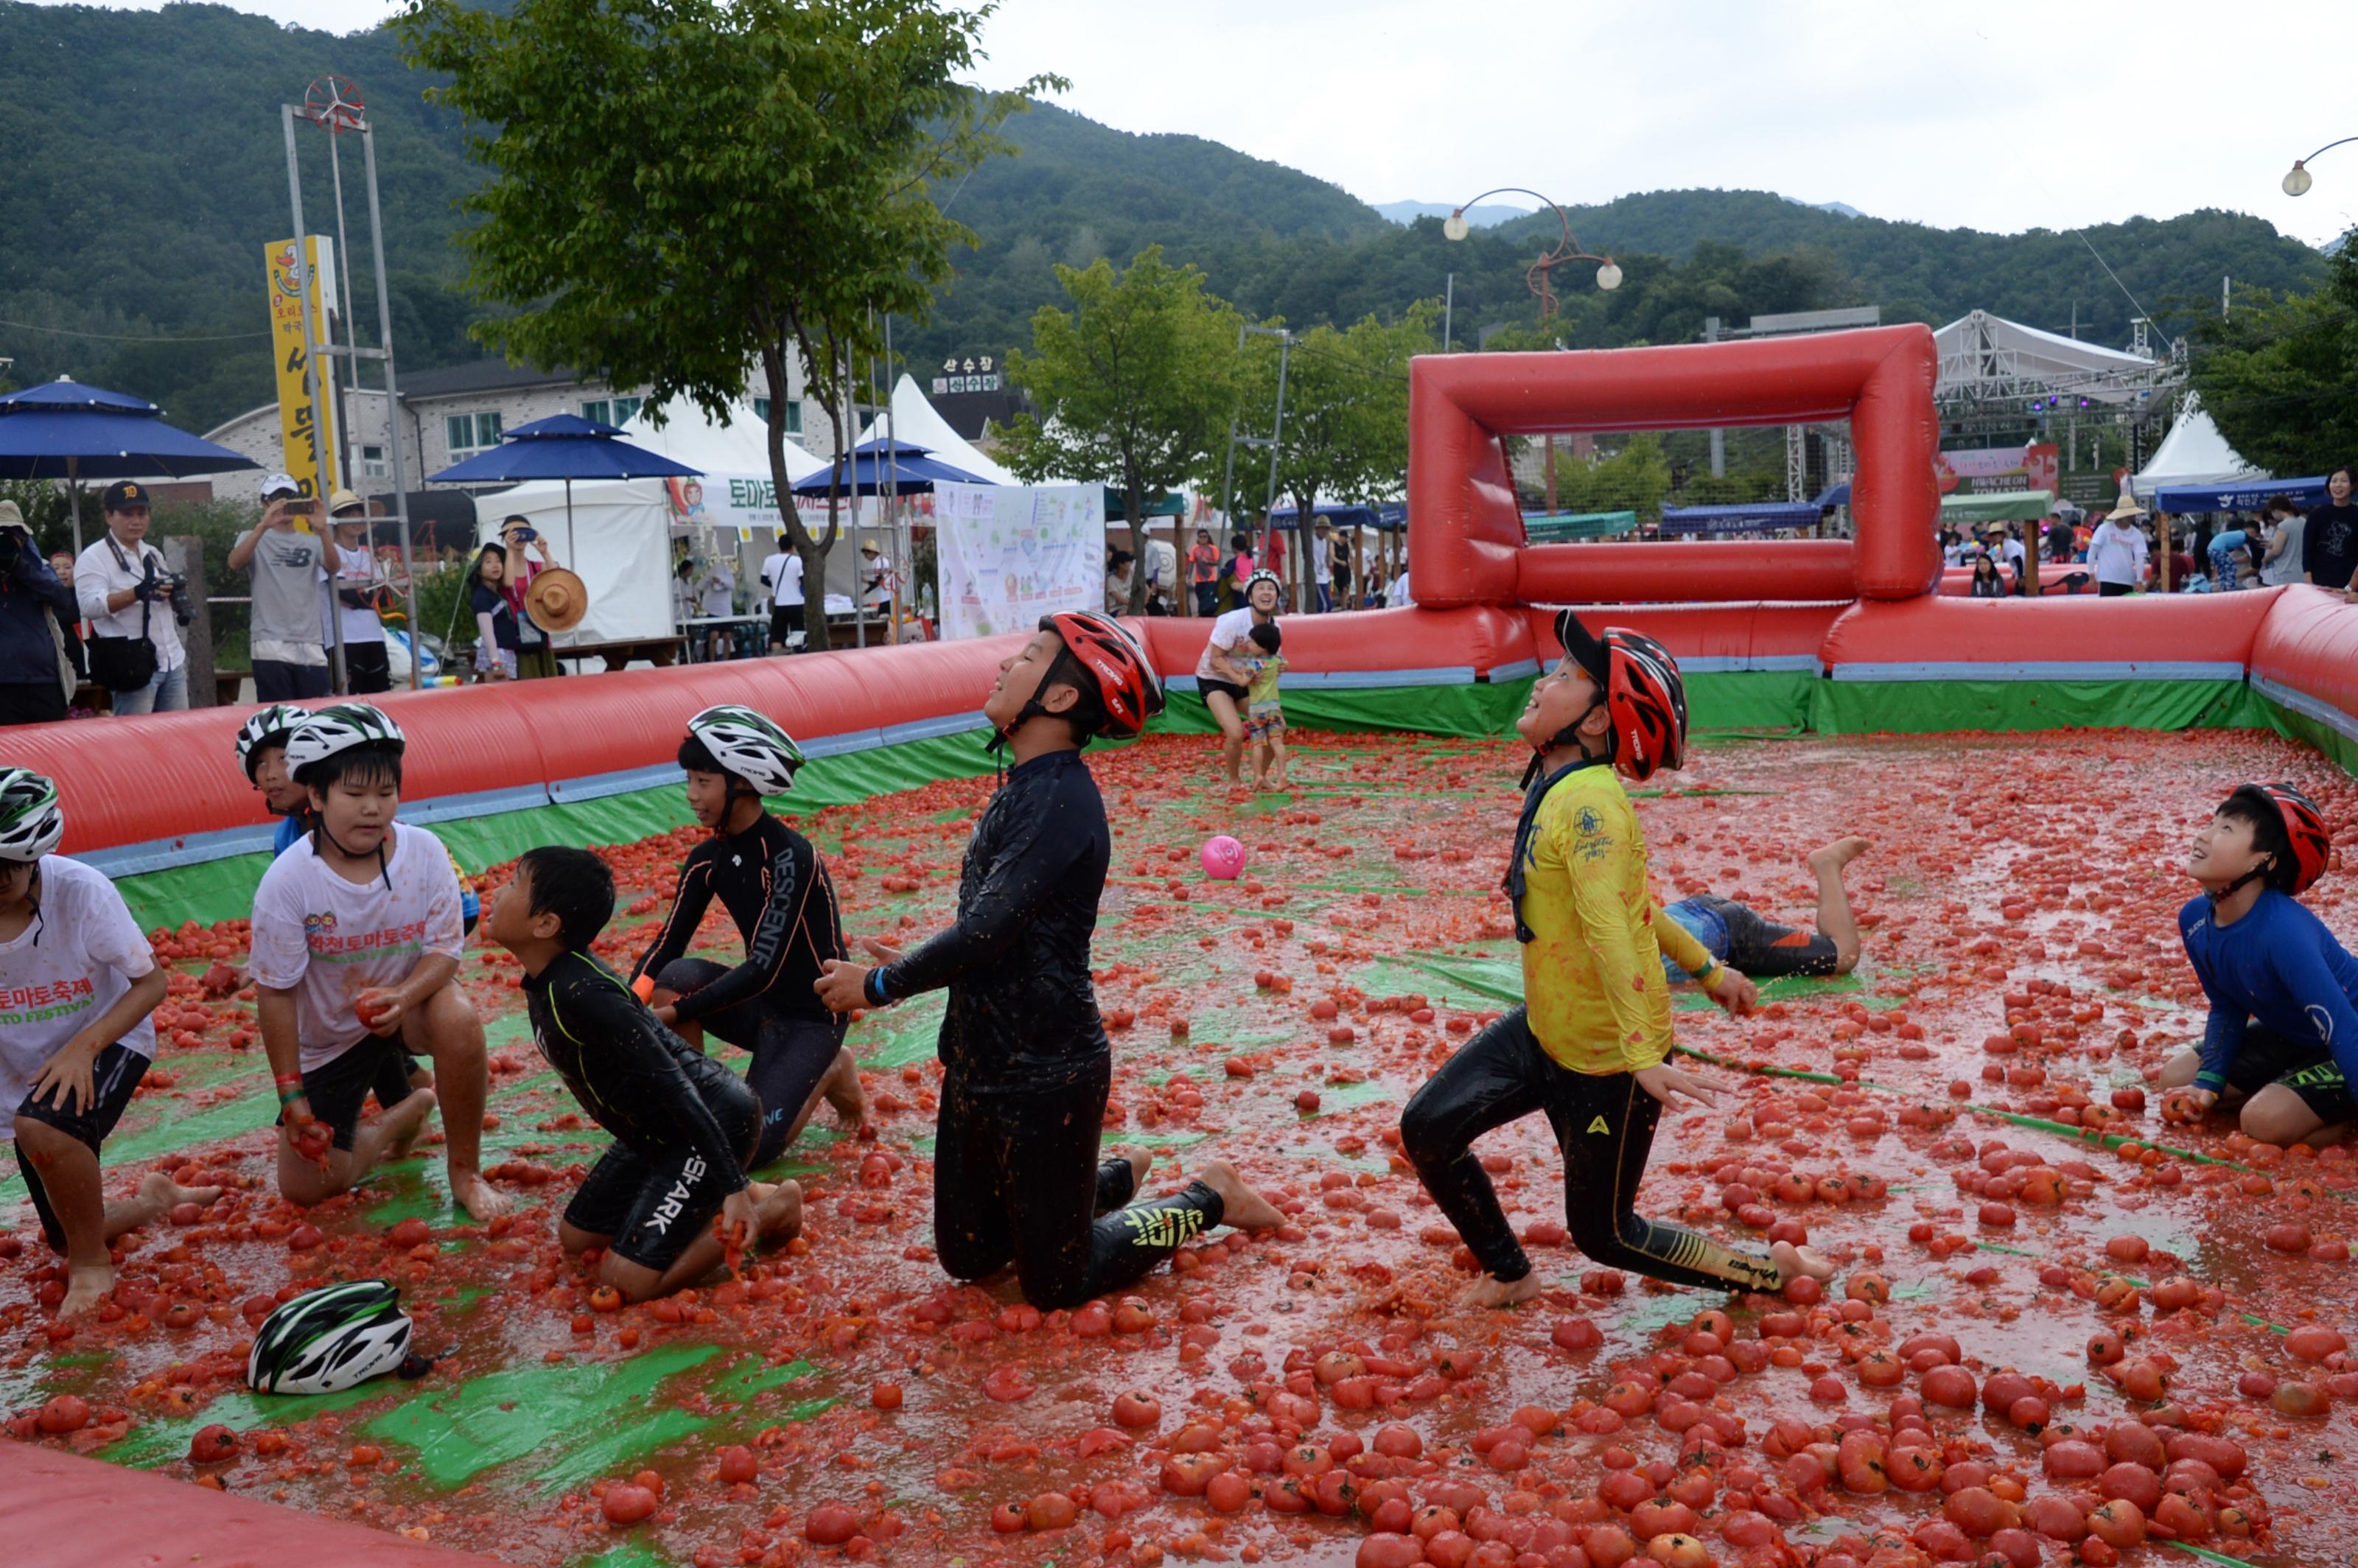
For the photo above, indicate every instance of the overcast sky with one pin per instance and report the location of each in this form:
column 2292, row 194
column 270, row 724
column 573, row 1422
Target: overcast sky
column 2001, row 114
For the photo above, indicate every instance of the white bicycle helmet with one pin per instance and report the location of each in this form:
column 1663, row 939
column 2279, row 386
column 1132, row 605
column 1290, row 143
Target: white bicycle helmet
column 749, row 745
column 339, row 729
column 1264, row 576
column 330, row 1340
column 31, row 825
column 269, row 726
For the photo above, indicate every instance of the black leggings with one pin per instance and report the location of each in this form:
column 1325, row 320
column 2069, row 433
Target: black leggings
column 1016, row 1179
column 1605, row 1125
column 791, row 1052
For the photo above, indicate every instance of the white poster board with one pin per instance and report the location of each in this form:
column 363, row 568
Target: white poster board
column 1010, row 554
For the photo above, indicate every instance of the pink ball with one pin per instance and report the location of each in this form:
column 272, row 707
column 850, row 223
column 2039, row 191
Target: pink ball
column 1224, row 857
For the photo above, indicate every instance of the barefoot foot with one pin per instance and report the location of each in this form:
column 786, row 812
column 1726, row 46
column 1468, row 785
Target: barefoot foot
column 1793, row 1262
column 482, row 1201
column 779, row 1210
column 1490, row 1290
column 1240, row 1205
column 844, row 1094
column 1140, row 1162
column 159, row 1192
column 86, row 1287
column 1834, row 856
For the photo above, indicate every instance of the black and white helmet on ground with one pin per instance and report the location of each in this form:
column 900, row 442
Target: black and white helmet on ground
column 330, row 1340
column 269, row 726
column 749, row 745
column 343, row 727
column 31, row 823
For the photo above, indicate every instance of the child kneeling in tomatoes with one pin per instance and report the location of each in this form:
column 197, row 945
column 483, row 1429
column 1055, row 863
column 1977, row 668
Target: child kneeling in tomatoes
column 2283, row 1032
column 684, row 1125
column 1590, row 1043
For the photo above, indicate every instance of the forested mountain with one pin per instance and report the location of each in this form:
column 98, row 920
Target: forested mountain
column 144, row 170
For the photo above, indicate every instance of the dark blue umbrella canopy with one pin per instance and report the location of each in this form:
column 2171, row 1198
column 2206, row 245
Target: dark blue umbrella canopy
column 878, row 467
column 63, row 429
column 563, row 446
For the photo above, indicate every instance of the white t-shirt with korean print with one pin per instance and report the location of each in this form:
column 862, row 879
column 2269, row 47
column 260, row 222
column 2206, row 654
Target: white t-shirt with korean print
column 75, row 961
column 327, row 939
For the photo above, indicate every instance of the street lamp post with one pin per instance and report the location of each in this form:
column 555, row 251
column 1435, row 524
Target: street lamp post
column 2296, row 179
column 1538, row 277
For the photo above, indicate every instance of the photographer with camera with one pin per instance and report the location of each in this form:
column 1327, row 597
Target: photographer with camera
column 136, row 605
column 36, row 674
column 536, row 657
column 288, row 564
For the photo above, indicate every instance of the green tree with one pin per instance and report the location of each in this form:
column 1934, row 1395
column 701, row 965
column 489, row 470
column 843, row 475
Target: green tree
column 684, row 190
column 2279, row 375
column 1134, row 385
column 1345, row 436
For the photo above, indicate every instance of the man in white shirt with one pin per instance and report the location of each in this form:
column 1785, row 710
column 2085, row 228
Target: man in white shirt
column 1322, row 567
column 2117, row 550
column 368, row 668
column 2012, row 554
column 123, row 588
column 782, row 575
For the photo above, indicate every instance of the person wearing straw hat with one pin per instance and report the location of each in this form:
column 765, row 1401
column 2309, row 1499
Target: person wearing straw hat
column 353, row 595
column 535, row 659
column 2118, row 550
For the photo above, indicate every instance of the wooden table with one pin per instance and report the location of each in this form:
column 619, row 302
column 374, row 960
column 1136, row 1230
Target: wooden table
column 661, row 651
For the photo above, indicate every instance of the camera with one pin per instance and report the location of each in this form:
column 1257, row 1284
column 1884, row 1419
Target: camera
column 173, row 585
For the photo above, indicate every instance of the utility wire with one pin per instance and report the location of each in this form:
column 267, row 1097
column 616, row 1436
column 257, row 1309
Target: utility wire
column 132, row 337
column 2113, row 275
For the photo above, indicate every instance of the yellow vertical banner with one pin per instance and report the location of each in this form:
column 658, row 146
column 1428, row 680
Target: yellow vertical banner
column 296, row 409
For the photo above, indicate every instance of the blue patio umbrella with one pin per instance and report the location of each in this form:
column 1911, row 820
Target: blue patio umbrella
column 896, row 467
column 566, row 446
column 63, row 429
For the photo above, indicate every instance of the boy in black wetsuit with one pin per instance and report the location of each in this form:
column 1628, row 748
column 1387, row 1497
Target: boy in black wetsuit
column 776, row 888
column 1027, row 1064
column 683, row 1124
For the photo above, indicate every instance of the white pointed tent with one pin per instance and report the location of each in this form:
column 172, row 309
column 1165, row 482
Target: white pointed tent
column 2194, row 453
column 621, row 530
column 917, row 423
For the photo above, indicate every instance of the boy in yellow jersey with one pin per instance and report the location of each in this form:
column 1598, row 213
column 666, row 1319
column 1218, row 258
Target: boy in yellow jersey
column 1590, row 1045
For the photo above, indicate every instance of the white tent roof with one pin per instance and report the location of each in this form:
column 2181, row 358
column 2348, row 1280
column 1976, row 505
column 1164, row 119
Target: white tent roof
column 1995, row 357
column 737, row 445
column 2194, row 453
column 915, row 422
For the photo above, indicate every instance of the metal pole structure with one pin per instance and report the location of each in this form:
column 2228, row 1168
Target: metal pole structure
column 351, row 331
column 1718, row 437
column 1229, row 481
column 1449, row 309
column 901, row 573
column 393, row 407
column 1276, row 444
column 313, row 385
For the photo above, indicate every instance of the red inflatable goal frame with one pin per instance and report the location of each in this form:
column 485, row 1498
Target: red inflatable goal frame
column 1465, row 530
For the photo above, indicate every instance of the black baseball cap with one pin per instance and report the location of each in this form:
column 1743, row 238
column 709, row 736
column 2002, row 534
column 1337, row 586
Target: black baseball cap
column 125, row 493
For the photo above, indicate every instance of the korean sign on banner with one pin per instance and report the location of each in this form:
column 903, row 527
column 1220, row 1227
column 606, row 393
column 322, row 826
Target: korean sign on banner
column 1990, row 471
column 295, row 409
column 1010, row 554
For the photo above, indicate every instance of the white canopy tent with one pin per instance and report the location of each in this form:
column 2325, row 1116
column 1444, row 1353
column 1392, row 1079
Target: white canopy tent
column 917, row 423
column 2194, row 453
column 620, row 537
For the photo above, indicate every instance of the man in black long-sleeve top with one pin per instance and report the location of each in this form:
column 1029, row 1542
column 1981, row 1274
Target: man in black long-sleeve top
column 1026, row 1065
column 32, row 685
column 684, row 1125
column 775, row 886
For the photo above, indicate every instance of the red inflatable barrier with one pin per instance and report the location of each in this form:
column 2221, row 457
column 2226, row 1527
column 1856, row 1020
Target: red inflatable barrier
column 65, row 1511
column 2309, row 645
column 2154, row 636
column 1466, row 528
column 1482, row 637
column 1720, row 636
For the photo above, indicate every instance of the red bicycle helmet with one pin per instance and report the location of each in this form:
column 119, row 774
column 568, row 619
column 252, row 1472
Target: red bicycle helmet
column 1639, row 684
column 1129, row 691
column 2304, row 828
